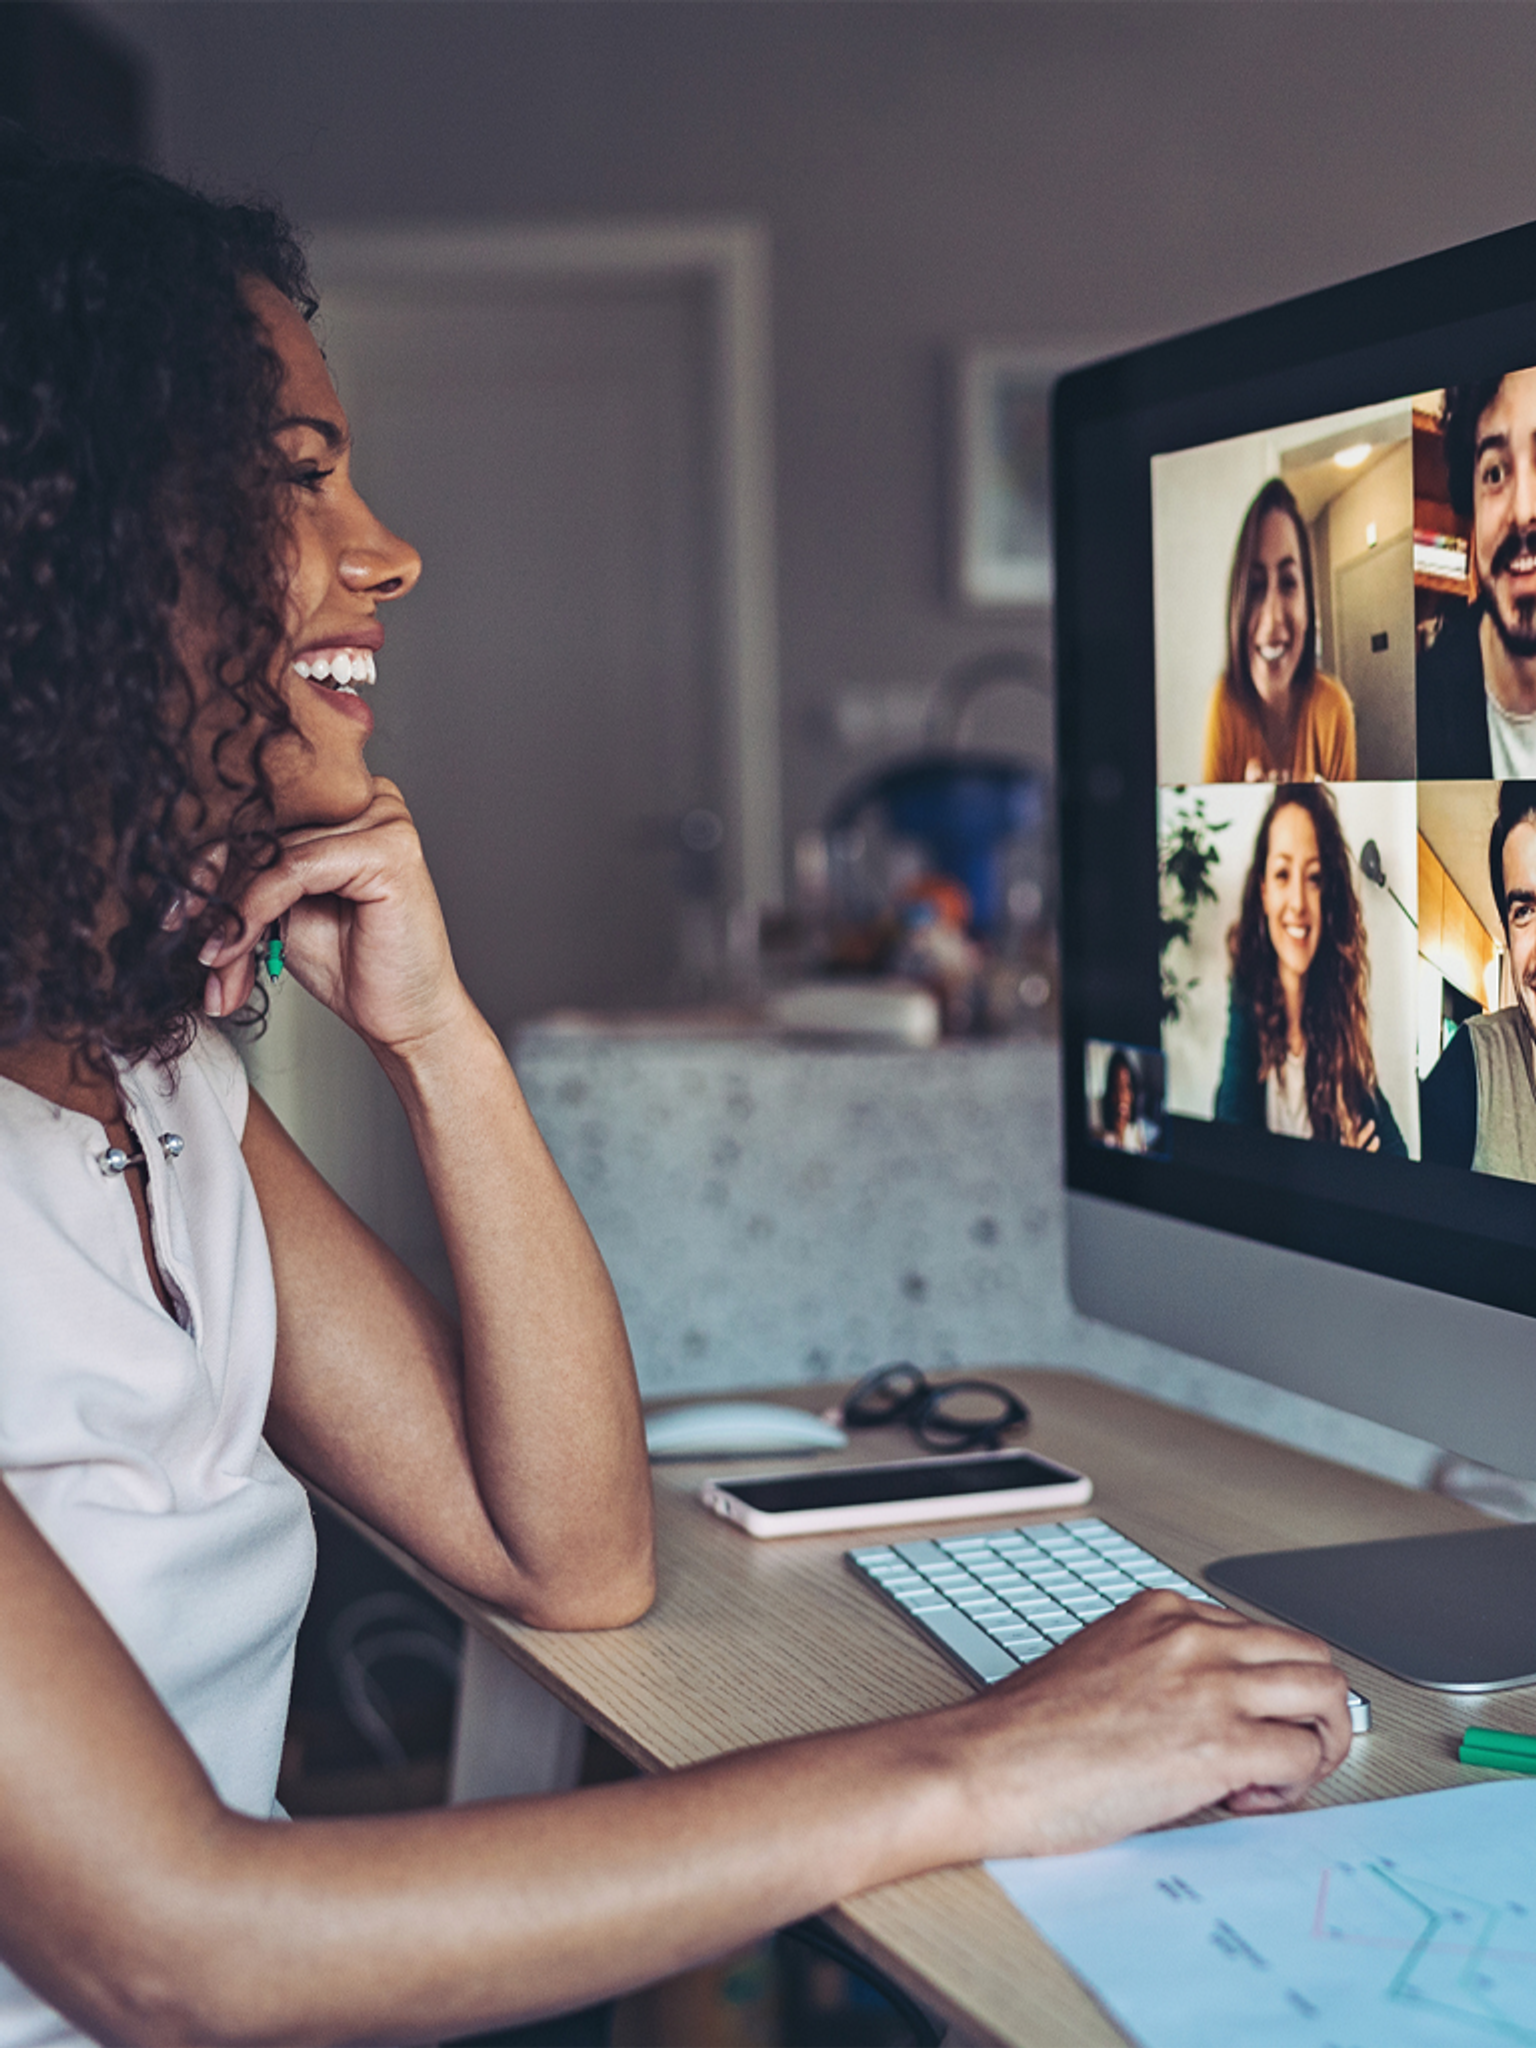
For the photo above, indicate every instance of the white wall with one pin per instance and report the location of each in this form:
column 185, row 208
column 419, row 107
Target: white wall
column 1382, row 498
column 1383, row 811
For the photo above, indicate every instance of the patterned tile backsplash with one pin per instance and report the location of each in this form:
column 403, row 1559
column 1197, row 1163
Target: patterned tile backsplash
column 775, row 1213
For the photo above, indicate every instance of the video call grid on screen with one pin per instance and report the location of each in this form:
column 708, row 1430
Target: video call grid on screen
column 1360, row 489
column 1330, row 551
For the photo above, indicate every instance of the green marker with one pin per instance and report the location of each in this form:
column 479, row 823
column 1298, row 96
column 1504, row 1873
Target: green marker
column 1498, row 1749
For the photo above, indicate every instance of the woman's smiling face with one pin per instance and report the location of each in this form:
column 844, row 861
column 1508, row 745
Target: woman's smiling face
column 343, row 564
column 1124, row 1097
column 1278, row 623
column 1292, row 890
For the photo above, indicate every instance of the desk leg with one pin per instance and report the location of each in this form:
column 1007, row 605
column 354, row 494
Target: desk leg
column 510, row 1736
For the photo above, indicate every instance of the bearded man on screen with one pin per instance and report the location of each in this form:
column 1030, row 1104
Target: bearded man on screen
column 1477, row 679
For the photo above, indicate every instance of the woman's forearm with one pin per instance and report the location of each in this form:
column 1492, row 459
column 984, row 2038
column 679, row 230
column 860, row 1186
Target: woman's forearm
column 543, row 1406
column 551, row 1407
column 148, row 1913
column 409, row 1928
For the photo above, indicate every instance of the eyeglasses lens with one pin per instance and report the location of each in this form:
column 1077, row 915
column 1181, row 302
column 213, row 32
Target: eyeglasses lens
column 885, row 1395
column 968, row 1415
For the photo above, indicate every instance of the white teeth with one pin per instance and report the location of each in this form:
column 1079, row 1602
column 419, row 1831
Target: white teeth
column 341, row 670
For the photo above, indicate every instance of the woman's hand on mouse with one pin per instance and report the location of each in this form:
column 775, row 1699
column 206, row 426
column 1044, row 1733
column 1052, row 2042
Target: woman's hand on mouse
column 362, row 928
column 1165, row 1706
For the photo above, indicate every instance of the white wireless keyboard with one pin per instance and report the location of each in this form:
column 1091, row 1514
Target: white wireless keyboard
column 999, row 1600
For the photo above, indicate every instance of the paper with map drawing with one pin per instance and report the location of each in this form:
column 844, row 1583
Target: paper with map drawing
column 1401, row 1923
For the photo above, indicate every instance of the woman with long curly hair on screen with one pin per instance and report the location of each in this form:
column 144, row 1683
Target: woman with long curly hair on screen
column 1275, row 716
column 191, row 608
column 1298, row 1056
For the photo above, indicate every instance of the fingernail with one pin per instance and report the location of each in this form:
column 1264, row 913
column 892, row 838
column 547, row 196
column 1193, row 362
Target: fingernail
column 213, row 997
column 211, row 949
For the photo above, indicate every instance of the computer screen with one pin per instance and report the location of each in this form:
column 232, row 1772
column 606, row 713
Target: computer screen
column 1296, row 672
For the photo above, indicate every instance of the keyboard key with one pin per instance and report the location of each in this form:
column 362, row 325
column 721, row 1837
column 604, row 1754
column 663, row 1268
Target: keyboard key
column 972, row 1645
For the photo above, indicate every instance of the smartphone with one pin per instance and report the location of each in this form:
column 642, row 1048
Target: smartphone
column 914, row 1490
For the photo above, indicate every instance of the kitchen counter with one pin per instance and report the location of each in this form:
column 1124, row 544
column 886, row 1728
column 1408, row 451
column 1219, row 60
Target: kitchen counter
column 777, row 1211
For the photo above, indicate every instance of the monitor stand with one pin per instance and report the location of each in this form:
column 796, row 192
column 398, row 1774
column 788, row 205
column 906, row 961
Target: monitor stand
column 1456, row 1612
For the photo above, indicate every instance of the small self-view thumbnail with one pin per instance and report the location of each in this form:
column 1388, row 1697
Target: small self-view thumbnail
column 1125, row 1096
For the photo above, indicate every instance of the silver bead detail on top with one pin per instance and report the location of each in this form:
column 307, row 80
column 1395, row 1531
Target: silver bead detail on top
column 115, row 1160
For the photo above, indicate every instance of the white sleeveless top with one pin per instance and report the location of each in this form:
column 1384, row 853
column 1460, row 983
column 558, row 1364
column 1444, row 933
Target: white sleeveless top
column 134, row 1440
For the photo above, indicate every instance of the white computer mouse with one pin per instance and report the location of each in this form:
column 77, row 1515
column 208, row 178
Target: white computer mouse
column 738, row 1429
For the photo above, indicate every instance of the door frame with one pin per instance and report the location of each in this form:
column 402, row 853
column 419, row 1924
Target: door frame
column 729, row 259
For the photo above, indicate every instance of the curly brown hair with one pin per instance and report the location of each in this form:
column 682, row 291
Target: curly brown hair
column 139, row 477
column 1335, row 1018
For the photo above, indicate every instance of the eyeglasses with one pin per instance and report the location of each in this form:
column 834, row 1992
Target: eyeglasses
column 960, row 1415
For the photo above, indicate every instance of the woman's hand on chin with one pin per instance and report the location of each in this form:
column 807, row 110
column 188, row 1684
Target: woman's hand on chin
column 362, row 928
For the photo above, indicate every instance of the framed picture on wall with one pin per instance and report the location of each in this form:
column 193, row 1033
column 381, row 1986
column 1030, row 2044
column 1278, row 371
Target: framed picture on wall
column 1002, row 474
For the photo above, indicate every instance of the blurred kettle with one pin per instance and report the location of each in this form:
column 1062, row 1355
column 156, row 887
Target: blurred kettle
column 962, row 809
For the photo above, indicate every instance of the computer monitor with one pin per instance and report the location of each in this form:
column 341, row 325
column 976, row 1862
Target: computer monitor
column 1295, row 563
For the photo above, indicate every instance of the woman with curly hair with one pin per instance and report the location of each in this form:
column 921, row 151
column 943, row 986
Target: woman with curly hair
column 1298, row 1055
column 1124, row 1130
column 191, row 606
column 1275, row 716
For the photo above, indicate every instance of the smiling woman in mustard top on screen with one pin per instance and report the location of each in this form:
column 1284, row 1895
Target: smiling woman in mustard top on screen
column 1275, row 716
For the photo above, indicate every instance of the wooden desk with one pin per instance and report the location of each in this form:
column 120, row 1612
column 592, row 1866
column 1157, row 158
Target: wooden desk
column 750, row 1642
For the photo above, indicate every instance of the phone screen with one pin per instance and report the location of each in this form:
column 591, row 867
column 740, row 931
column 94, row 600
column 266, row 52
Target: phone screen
column 849, row 1486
